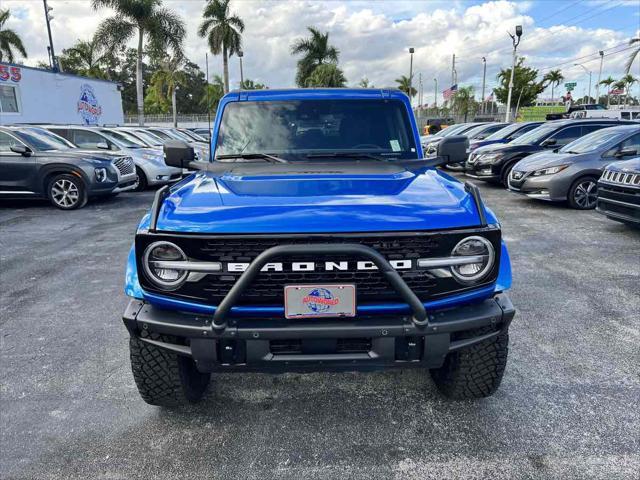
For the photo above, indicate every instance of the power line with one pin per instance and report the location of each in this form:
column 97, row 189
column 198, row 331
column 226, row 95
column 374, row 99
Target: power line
column 561, row 10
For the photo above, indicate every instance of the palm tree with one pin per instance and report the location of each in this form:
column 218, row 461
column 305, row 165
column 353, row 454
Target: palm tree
column 553, row 78
column 166, row 81
column 464, row 102
column 224, row 33
column 9, row 40
column 365, row 83
column 404, row 85
column 633, row 55
column 214, row 91
column 628, row 80
column 607, row 82
column 88, row 55
column 315, row 51
column 619, row 85
column 326, row 75
column 151, row 21
column 251, row 85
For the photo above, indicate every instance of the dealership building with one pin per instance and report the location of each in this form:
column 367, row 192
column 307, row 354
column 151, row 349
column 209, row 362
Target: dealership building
column 34, row 95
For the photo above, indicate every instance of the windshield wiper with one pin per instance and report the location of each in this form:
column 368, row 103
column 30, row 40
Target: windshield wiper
column 571, row 151
column 347, row 155
column 251, row 156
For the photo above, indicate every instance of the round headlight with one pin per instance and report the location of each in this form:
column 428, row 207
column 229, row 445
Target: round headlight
column 157, row 259
column 474, row 271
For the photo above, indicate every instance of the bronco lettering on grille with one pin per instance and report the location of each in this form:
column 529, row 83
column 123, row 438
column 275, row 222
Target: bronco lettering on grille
column 319, row 266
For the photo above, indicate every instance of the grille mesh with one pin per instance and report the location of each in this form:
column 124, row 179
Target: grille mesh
column 621, row 178
column 124, row 165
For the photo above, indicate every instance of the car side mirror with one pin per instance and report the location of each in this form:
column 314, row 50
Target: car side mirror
column 102, row 145
column 626, row 152
column 549, row 142
column 178, row 154
column 22, row 150
column 454, row 147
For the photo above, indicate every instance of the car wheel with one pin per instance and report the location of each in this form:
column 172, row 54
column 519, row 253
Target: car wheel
column 583, row 194
column 141, row 182
column 67, row 192
column 504, row 178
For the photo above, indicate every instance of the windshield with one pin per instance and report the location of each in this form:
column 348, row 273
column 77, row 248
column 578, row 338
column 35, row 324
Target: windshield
column 163, row 135
column 474, row 132
column 193, row 135
column 300, row 127
column 146, row 137
column 43, row 140
column 453, row 130
column 535, row 135
column 505, row 132
column 178, row 135
column 123, row 139
column 591, row 142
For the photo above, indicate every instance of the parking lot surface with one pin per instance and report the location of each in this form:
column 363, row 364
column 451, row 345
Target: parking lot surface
column 567, row 407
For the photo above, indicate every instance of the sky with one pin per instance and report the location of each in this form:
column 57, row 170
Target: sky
column 373, row 37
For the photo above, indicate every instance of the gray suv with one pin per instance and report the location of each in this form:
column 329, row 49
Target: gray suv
column 35, row 163
column 572, row 173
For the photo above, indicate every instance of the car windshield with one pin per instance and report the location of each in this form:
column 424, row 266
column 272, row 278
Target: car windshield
column 43, row 140
column 178, row 135
column 147, row 137
column 193, row 135
column 126, row 141
column 590, row 142
column 454, row 129
column 535, row 135
column 505, row 132
column 302, row 127
column 474, row 132
column 162, row 134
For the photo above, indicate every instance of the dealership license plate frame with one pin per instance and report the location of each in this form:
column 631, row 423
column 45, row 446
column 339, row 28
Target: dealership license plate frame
column 346, row 294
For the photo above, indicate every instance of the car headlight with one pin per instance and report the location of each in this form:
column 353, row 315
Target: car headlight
column 490, row 157
column 480, row 259
column 153, row 158
column 157, row 265
column 101, row 174
column 549, row 171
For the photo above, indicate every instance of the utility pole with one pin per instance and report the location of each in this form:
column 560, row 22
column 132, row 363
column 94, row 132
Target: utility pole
column 453, row 69
column 420, row 90
column 484, row 76
column 411, row 50
column 435, row 93
column 589, row 72
column 599, row 77
column 206, row 59
column 48, row 18
column 240, row 55
column 507, row 116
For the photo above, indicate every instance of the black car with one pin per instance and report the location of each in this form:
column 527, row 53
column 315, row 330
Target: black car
column 35, row 163
column 475, row 134
column 493, row 163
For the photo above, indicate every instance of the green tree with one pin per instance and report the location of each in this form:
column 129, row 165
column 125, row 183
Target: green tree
column 619, row 85
column 365, row 83
column 607, row 82
column 553, row 78
column 628, row 80
column 151, row 21
column 223, row 31
column 525, row 86
column 404, row 85
column 212, row 94
column 634, row 53
column 315, row 51
column 87, row 58
column 464, row 102
column 164, row 84
column 251, row 85
column 327, row 75
column 9, row 40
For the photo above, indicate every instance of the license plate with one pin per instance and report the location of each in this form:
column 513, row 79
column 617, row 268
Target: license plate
column 315, row 301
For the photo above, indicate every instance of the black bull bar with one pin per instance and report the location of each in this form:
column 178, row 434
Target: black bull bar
column 419, row 318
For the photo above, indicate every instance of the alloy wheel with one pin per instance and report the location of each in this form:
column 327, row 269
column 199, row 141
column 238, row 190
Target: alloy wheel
column 65, row 193
column 586, row 194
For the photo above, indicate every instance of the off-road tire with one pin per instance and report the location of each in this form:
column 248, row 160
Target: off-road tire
column 476, row 371
column 63, row 188
column 142, row 181
column 165, row 378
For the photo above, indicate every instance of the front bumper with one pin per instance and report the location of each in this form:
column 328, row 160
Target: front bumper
column 278, row 345
column 619, row 202
column 545, row 187
column 161, row 174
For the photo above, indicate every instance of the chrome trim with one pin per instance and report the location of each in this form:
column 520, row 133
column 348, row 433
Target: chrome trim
column 618, row 202
column 187, row 266
column 450, row 261
column 20, row 192
column 621, row 178
column 153, row 278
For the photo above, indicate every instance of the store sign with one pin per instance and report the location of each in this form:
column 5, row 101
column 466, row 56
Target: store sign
column 88, row 106
column 12, row 74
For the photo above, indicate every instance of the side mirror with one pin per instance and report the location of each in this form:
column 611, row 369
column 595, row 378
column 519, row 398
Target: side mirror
column 626, row 152
column 178, row 154
column 22, row 150
column 452, row 149
column 549, row 142
column 102, row 145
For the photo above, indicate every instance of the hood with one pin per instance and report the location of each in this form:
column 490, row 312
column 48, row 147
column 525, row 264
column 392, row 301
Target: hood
column 483, row 143
column 626, row 166
column 94, row 155
column 547, row 159
column 507, row 148
column 317, row 199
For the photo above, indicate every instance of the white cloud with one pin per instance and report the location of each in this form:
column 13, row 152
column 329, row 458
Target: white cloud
column 372, row 37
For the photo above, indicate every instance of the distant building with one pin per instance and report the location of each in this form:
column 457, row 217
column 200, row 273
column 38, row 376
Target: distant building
column 34, row 95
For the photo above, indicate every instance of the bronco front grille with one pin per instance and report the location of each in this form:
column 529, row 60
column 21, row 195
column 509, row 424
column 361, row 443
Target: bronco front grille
column 124, row 165
column 268, row 288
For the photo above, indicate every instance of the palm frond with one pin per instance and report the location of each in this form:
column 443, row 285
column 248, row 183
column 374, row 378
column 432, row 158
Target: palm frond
column 115, row 32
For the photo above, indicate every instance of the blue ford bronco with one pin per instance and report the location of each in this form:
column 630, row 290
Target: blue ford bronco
column 316, row 238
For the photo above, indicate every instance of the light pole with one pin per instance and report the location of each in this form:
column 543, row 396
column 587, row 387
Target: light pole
column 48, row 18
column 599, row 77
column 484, row 76
column 411, row 50
column 515, row 39
column 240, row 55
column 589, row 72
column 435, row 94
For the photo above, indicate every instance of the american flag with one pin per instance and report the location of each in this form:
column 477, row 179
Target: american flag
column 489, row 98
column 448, row 93
column 616, row 91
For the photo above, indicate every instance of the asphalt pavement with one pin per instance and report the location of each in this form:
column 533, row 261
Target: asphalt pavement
column 567, row 408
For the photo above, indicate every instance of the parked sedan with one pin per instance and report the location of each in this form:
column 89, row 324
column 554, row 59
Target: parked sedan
column 430, row 147
column 35, row 163
column 475, row 134
column 619, row 192
column 504, row 135
column 201, row 148
column 572, row 173
column 150, row 166
column 493, row 163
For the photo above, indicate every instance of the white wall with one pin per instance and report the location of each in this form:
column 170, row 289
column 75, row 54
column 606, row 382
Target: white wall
column 47, row 97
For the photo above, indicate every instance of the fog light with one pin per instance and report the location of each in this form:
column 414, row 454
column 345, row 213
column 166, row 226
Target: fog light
column 101, row 175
